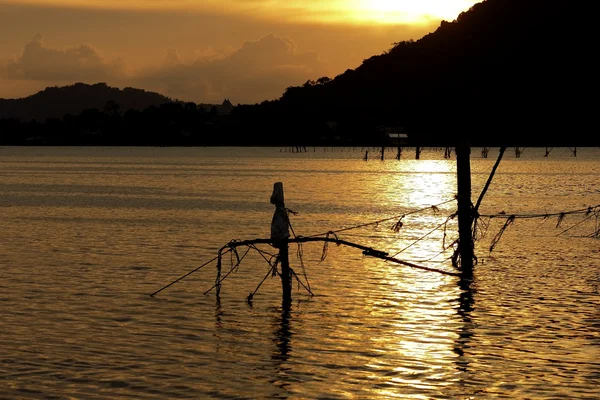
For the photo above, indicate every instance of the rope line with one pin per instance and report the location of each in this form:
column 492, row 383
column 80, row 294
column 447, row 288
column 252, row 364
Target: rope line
column 590, row 212
column 300, row 282
column 299, row 252
column 180, row 278
column 586, row 211
column 480, row 228
column 577, row 224
column 251, row 295
column 424, row 236
column 233, row 268
column 434, row 207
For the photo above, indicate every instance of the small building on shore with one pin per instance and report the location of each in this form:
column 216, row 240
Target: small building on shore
column 395, row 136
column 224, row 108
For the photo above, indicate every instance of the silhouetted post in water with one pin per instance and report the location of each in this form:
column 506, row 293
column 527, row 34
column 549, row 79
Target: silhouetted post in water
column 280, row 234
column 418, row 153
column 465, row 214
column 382, row 152
column 447, row 152
column 366, row 155
column 399, row 155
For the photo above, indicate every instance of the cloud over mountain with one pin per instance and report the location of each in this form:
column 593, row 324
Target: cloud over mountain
column 41, row 63
column 258, row 70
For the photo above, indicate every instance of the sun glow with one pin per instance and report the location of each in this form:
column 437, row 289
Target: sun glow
column 409, row 11
column 293, row 11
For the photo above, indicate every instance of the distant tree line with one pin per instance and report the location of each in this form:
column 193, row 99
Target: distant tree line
column 167, row 124
column 183, row 124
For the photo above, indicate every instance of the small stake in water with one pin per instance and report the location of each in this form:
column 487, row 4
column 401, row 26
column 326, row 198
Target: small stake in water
column 280, row 234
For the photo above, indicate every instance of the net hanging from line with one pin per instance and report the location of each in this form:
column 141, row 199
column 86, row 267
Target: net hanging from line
column 480, row 228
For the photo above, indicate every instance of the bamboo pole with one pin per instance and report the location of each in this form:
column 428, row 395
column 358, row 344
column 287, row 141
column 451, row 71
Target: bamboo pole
column 367, row 251
column 465, row 214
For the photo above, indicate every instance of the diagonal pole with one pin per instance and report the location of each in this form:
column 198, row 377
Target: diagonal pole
column 180, row 278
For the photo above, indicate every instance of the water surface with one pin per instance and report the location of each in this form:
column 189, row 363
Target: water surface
column 88, row 233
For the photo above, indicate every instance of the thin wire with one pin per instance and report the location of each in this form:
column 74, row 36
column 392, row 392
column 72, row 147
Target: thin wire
column 180, row 278
column 251, row 295
column 301, row 283
column 299, row 252
column 261, row 253
column 233, row 268
column 437, row 255
column 579, row 223
column 548, row 215
column 423, row 237
column 383, row 220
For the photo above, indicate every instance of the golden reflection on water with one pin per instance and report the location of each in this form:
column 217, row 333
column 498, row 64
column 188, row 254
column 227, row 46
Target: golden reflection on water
column 422, row 312
column 421, row 308
column 414, row 190
column 421, row 182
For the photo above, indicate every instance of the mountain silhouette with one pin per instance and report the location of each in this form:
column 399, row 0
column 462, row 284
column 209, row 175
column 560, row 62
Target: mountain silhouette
column 510, row 69
column 503, row 72
column 56, row 102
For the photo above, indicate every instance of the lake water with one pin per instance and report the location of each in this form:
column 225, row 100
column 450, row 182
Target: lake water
column 87, row 234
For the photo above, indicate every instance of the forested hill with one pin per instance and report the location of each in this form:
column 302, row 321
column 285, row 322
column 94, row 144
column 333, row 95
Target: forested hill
column 56, row 102
column 509, row 69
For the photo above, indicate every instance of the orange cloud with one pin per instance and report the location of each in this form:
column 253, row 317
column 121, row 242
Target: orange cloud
column 259, row 70
column 41, row 63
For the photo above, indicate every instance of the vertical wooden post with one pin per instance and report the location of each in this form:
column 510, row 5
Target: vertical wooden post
column 280, row 234
column 518, row 152
column 465, row 214
column 418, row 153
column 286, row 276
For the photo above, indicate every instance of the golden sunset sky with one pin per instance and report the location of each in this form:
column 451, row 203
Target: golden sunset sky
column 202, row 50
